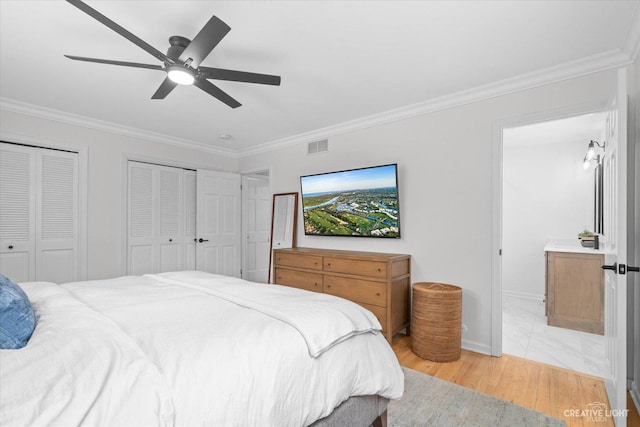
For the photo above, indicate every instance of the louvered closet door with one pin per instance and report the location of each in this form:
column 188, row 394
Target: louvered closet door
column 161, row 219
column 17, row 212
column 141, row 256
column 171, row 239
column 57, row 217
column 38, row 214
column 190, row 219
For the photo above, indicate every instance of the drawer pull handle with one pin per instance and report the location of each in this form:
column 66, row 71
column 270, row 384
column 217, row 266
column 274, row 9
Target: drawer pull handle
column 377, row 294
column 328, row 286
column 379, row 269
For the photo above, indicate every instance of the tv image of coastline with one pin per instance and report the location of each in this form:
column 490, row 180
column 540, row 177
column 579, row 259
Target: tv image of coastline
column 370, row 212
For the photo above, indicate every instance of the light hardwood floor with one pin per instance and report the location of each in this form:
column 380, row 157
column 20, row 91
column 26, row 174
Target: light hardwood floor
column 548, row 389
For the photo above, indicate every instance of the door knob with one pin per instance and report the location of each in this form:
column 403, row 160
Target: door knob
column 202, row 240
column 613, row 267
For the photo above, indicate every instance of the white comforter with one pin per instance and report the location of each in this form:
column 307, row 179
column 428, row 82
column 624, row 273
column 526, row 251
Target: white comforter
column 230, row 357
column 79, row 369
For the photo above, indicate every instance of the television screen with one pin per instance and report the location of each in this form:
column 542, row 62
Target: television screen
column 357, row 202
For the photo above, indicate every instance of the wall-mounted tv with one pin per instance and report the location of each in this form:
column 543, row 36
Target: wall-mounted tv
column 358, row 202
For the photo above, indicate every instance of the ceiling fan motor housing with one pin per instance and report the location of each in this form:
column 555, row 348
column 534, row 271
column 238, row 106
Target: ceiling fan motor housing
column 177, row 45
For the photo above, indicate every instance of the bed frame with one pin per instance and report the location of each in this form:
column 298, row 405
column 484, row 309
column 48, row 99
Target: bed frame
column 362, row 411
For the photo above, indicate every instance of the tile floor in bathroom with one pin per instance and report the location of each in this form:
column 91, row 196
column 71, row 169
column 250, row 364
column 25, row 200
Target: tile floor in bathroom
column 525, row 333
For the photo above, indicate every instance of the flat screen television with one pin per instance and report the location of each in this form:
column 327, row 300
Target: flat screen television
column 357, row 202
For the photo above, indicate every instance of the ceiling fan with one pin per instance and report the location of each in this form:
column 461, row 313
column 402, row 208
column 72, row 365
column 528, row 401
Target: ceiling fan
column 183, row 58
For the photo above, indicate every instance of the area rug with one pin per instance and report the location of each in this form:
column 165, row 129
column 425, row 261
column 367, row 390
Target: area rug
column 429, row 401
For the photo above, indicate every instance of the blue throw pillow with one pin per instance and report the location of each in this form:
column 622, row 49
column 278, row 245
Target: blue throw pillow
column 17, row 318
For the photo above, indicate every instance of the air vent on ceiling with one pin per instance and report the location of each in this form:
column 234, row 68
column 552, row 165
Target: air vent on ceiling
column 318, row 146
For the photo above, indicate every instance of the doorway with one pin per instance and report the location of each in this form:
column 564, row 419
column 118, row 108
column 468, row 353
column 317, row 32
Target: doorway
column 548, row 197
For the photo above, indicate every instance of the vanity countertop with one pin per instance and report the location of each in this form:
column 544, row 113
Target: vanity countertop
column 570, row 246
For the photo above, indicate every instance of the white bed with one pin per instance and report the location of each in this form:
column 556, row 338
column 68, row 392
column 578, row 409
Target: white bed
column 190, row 349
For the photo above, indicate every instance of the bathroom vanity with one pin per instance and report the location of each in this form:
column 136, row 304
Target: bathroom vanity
column 574, row 293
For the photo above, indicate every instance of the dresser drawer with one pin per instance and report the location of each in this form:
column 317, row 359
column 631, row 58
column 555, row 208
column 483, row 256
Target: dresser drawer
column 356, row 266
column 301, row 261
column 298, row 279
column 379, row 312
column 357, row 290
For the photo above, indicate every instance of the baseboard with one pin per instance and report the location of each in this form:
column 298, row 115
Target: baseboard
column 476, row 347
column 523, row 295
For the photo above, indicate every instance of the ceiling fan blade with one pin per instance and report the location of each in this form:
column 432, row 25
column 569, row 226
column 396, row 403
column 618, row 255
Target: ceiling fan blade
column 238, row 76
column 110, row 62
column 118, row 29
column 204, row 42
column 165, row 89
column 216, row 92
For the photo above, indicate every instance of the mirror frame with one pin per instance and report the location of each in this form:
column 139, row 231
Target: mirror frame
column 283, row 221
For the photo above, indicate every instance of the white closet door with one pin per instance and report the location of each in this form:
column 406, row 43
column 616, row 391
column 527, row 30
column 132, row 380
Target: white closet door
column 161, row 218
column 57, row 217
column 190, row 219
column 17, row 212
column 170, row 241
column 141, row 257
column 218, row 223
column 39, row 231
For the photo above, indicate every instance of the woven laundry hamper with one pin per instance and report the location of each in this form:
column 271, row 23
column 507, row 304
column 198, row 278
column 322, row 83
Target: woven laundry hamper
column 436, row 321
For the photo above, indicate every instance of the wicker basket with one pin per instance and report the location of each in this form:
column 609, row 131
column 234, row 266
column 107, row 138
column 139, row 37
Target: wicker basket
column 436, row 321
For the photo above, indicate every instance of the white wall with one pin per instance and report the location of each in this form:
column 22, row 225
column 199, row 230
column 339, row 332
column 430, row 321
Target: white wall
column 445, row 176
column 547, row 195
column 106, row 174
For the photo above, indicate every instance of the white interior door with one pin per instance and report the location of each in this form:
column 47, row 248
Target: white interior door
column 218, row 223
column 615, row 237
column 256, row 213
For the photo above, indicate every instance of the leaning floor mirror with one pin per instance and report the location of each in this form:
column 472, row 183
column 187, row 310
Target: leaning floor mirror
column 283, row 223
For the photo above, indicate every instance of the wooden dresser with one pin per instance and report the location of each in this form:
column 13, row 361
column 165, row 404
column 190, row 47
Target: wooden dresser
column 379, row 282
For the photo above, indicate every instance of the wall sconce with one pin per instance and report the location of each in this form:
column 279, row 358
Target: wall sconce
column 591, row 153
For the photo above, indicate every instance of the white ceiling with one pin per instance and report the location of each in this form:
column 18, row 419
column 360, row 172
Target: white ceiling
column 343, row 63
column 583, row 128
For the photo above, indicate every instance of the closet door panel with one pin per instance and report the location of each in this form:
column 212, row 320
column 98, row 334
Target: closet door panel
column 171, row 217
column 17, row 209
column 142, row 257
column 56, row 217
column 190, row 219
column 56, row 265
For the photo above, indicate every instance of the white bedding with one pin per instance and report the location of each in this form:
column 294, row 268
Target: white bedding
column 79, row 369
column 225, row 362
column 306, row 312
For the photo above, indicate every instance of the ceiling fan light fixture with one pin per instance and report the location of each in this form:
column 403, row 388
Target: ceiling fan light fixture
column 180, row 75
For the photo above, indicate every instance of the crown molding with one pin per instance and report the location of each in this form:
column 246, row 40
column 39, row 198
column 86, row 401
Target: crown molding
column 605, row 61
column 20, row 107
